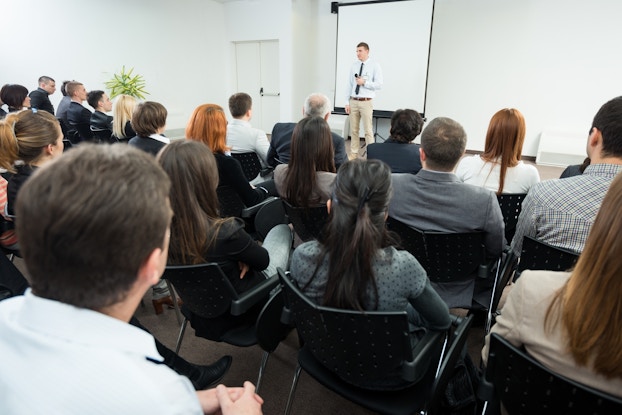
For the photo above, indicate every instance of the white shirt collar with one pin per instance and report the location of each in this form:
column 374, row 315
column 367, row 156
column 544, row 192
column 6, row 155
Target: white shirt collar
column 160, row 138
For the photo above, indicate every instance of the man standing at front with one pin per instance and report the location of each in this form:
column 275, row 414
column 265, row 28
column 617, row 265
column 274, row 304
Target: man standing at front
column 364, row 79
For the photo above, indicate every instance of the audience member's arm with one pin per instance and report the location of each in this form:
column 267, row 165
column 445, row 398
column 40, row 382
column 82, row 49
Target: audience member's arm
column 509, row 322
column 525, row 225
column 241, row 247
column 432, row 309
column 238, row 181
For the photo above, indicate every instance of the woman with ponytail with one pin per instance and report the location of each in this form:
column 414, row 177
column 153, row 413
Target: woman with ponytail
column 356, row 267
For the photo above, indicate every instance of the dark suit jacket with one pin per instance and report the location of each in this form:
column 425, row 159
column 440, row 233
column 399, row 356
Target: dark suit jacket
column 101, row 121
column 147, row 144
column 40, row 100
column 78, row 114
column 401, row 157
column 281, row 143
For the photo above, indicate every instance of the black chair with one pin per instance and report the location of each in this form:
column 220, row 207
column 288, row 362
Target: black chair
column 232, row 205
column 367, row 357
column 504, row 277
column 79, row 132
column 103, row 135
column 12, row 282
column 511, row 205
column 251, row 165
column 308, row 223
column 540, row 255
column 207, row 293
column 268, row 216
column 525, row 386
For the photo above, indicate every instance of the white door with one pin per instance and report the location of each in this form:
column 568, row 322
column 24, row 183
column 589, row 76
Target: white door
column 257, row 73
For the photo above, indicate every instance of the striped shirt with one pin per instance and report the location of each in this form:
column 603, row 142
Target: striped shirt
column 561, row 211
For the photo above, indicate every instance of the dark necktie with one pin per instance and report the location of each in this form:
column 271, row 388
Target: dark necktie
column 358, row 87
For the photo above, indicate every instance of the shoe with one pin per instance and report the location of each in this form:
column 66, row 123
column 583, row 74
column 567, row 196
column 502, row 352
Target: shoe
column 159, row 303
column 206, row 376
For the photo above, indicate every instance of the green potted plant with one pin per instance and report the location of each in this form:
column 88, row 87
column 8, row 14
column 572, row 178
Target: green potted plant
column 127, row 83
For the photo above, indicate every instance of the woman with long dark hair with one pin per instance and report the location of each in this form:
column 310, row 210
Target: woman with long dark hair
column 500, row 168
column 356, row 267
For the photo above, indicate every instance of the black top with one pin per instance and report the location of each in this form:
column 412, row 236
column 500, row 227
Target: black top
column 401, row 157
column 147, row 144
column 16, row 181
column 230, row 173
column 40, row 100
column 77, row 114
column 101, row 121
column 281, row 143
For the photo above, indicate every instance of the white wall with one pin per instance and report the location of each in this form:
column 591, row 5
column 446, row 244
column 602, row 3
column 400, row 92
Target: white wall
column 177, row 46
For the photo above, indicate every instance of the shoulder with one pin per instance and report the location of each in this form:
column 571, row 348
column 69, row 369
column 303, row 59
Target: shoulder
column 337, row 139
column 306, row 251
column 537, row 286
column 230, row 227
column 282, row 129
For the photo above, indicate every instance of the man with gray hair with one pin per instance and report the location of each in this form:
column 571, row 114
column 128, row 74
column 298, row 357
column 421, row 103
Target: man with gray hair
column 436, row 200
column 316, row 105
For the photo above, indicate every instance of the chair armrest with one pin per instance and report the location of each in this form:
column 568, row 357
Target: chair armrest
column 266, row 171
column 486, row 389
column 253, row 296
column 250, row 211
column 412, row 371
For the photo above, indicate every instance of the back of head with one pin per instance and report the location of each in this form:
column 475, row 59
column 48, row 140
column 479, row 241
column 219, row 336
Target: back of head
column 593, row 292
column 355, row 231
column 312, row 151
column 93, row 98
column 63, row 88
column 24, row 135
column 193, row 172
column 444, row 142
column 72, row 87
column 148, row 118
column 45, row 80
column 608, row 120
column 208, row 124
column 406, row 125
column 89, row 220
column 504, row 140
column 13, row 95
column 317, row 105
column 122, row 111
column 239, row 104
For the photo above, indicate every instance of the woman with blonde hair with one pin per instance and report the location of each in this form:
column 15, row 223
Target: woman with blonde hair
column 571, row 321
column 208, row 124
column 122, row 111
column 500, row 168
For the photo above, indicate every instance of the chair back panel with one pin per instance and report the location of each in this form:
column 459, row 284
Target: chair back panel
column 411, row 240
column 366, row 349
column 230, row 202
column 540, row 255
column 268, row 216
column 525, row 386
column 251, row 166
column 269, row 328
column 308, row 223
column 511, row 205
column 454, row 256
column 204, row 288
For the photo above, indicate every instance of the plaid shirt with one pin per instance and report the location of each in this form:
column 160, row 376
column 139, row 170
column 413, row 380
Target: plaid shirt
column 561, row 211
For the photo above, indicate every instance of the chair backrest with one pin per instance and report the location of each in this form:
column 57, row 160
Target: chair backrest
column 308, row 223
column 268, row 216
column 270, row 330
column 540, row 255
column 81, row 132
column 446, row 257
column 103, row 135
column 525, row 386
column 230, row 202
column 511, row 205
column 251, row 166
column 366, row 349
column 204, row 288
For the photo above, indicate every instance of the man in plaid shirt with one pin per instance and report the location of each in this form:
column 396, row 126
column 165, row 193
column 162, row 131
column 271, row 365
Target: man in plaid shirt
column 561, row 211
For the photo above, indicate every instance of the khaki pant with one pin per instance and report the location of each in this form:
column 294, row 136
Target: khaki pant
column 358, row 110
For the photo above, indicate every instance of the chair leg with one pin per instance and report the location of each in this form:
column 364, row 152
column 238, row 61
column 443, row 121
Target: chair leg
column 262, row 368
column 181, row 335
column 171, row 290
column 292, row 391
column 495, row 287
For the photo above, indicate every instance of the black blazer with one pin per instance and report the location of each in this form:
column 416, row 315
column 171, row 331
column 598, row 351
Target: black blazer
column 40, row 100
column 281, row 143
column 401, row 157
column 147, row 144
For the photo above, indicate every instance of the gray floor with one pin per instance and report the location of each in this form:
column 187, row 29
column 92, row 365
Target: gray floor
column 311, row 398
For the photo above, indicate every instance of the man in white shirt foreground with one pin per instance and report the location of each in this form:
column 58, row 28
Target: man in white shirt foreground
column 94, row 233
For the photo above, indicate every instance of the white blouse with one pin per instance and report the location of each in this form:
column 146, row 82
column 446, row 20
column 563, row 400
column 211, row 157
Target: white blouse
column 518, row 179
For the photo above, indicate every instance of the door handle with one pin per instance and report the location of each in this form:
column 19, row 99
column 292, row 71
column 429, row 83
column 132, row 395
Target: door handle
column 268, row 94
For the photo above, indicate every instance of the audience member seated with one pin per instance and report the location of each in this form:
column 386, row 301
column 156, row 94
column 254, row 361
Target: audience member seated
column 316, row 105
column 40, row 97
column 100, row 121
column 575, row 169
column 357, row 267
column 15, row 97
column 35, row 138
column 500, row 167
column 63, row 105
column 149, row 122
column 2, row 111
column 78, row 117
column 406, row 125
column 241, row 136
column 308, row 178
column 560, row 212
column 122, row 111
column 571, row 321
column 90, row 265
column 199, row 235
column 435, row 200
column 8, row 237
column 208, row 125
